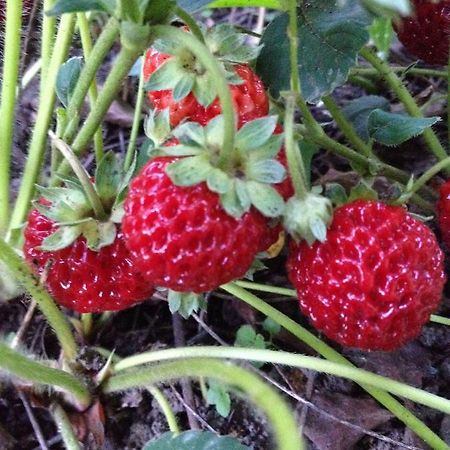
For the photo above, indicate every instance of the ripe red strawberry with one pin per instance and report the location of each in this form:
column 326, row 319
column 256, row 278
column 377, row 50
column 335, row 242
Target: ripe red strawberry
column 250, row 98
column 443, row 210
column 181, row 237
column 426, row 34
column 82, row 279
column 376, row 279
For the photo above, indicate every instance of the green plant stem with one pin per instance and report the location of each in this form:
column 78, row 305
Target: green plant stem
column 131, row 151
column 190, row 22
column 289, row 359
column 414, row 71
column 448, row 101
column 64, row 426
column 388, row 171
column 406, row 98
column 47, row 41
column 205, row 58
column 165, row 408
column 292, row 293
column 346, row 127
column 31, row 283
column 101, row 48
column 82, row 176
column 38, row 144
column 25, row 368
column 295, row 164
column 329, row 353
column 121, row 67
column 86, row 41
column 87, row 322
column 11, row 66
column 267, row 399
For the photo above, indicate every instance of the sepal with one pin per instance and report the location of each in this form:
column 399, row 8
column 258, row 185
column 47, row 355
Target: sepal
column 185, row 303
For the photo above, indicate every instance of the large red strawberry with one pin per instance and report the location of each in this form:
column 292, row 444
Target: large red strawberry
column 443, row 210
column 181, row 237
column 81, row 279
column 427, row 34
column 82, row 246
column 200, row 103
column 375, row 280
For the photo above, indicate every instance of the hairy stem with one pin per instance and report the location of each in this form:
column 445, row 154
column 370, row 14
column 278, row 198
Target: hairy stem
column 38, row 144
column 11, row 64
column 395, row 83
column 64, row 426
column 190, row 22
column 48, row 40
column 165, row 408
column 26, row 369
column 414, row 71
column 329, row 353
column 46, row 304
column 267, row 399
column 86, row 41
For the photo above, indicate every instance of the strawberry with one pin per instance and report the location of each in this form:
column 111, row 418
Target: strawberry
column 426, row 34
column 89, row 266
column 192, row 225
column 443, row 210
column 167, row 73
column 81, row 279
column 181, row 237
column 375, row 280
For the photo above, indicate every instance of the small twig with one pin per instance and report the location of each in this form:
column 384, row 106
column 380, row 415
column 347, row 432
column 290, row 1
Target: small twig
column 186, row 387
column 34, row 423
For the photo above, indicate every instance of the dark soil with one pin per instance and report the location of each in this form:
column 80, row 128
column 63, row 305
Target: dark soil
column 336, row 413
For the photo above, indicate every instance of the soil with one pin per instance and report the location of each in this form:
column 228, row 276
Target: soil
column 336, row 413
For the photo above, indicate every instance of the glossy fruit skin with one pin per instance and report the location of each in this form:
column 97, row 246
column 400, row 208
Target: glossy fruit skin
column 181, row 238
column 376, row 279
column 443, row 210
column 81, row 279
column 426, row 34
column 250, row 98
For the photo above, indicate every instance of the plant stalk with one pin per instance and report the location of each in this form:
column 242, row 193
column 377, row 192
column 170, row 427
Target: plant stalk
column 48, row 41
column 11, row 67
column 267, row 399
column 165, row 408
column 65, row 428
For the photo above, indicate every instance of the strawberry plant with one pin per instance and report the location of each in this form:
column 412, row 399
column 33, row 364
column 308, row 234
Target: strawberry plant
column 307, row 151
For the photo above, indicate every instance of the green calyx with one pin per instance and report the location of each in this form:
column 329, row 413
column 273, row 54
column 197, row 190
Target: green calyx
column 253, row 170
column 183, row 73
column 308, row 218
column 185, row 303
column 71, row 208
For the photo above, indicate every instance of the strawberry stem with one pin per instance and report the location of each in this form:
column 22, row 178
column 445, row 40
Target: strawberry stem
column 38, row 144
column 64, row 426
column 54, row 316
column 209, row 62
column 278, row 412
column 86, row 41
column 48, row 40
column 82, row 176
column 190, row 22
column 8, row 102
column 329, row 353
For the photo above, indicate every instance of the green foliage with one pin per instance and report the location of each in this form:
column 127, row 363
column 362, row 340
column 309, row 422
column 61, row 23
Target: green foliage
column 195, row 440
column 330, row 37
column 218, row 396
column 68, row 76
column 71, row 6
column 247, row 337
column 185, row 303
column 382, row 34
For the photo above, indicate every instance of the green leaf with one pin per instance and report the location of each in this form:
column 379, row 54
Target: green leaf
column 157, row 126
column 247, row 337
column 218, row 181
column 363, row 190
column 195, row 440
column 267, row 171
column 271, row 326
column 165, row 77
column 382, row 34
column 67, row 79
column 189, row 171
column 393, row 129
column 218, row 396
column 336, row 193
column 183, row 88
column 358, row 111
column 185, row 303
column 190, row 132
column 271, row 4
column 256, row 133
column 389, row 8
column 330, row 37
column 61, row 238
column 205, row 90
column 108, row 178
column 265, row 199
column 70, row 6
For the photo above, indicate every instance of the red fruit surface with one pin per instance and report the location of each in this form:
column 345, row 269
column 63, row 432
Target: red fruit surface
column 182, row 238
column 250, row 98
column 426, row 34
column 443, row 210
column 376, row 279
column 81, row 279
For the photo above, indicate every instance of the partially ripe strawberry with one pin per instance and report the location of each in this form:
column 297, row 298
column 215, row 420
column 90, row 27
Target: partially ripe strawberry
column 426, row 34
column 376, row 279
column 443, row 212
column 181, row 238
column 81, row 279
